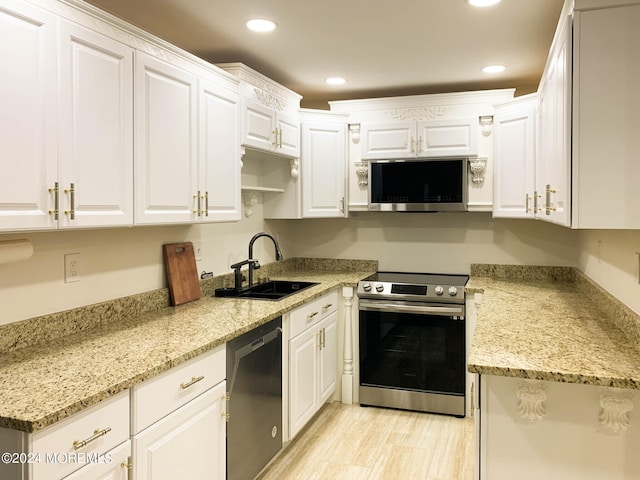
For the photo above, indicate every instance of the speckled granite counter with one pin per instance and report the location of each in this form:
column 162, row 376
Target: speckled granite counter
column 552, row 324
column 47, row 381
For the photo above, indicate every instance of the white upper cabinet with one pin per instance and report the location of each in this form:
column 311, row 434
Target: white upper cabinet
column 219, row 152
column 426, row 138
column 96, row 129
column 166, row 170
column 388, row 140
column 448, row 137
column 28, row 124
column 606, row 118
column 267, row 130
column 553, row 165
column 323, row 169
column 67, row 140
column 514, row 153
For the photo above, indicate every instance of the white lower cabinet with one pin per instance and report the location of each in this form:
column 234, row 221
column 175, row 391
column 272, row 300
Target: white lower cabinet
column 533, row 430
column 188, row 443
column 115, row 466
column 90, row 444
column 313, row 352
column 179, row 422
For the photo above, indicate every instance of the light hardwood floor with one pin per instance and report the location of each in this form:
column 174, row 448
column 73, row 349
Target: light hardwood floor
column 349, row 442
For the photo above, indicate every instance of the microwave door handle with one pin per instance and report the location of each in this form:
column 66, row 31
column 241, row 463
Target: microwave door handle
column 401, row 308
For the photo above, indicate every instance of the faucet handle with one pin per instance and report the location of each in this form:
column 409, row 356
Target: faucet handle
column 256, row 264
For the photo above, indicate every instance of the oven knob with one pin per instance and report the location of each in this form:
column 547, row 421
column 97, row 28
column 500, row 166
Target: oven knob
column 379, row 288
column 366, row 287
column 453, row 291
column 439, row 290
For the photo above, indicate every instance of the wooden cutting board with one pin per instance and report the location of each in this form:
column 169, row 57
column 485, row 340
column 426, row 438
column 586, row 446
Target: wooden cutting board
column 182, row 273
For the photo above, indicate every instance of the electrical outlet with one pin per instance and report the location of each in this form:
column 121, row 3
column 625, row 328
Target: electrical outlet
column 197, row 250
column 71, row 267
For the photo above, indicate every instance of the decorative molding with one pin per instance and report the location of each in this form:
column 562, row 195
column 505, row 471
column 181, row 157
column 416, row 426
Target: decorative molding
column 348, row 348
column 478, row 168
column 531, row 397
column 354, row 131
column 249, row 200
column 418, row 113
column 295, row 168
column 362, row 170
column 271, row 100
column 486, row 125
column 615, row 406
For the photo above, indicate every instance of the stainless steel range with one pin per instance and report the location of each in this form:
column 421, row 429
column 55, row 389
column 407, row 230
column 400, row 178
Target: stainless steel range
column 412, row 341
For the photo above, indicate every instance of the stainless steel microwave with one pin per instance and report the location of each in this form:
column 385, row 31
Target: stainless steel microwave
column 418, row 184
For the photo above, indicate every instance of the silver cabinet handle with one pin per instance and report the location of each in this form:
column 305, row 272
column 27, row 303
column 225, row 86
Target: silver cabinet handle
column 206, row 203
column 198, row 196
column 311, row 315
column 526, row 208
column 72, row 194
column 193, row 381
column 97, row 433
column 327, row 305
column 56, row 201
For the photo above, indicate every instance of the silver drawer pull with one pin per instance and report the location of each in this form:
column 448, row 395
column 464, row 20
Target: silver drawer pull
column 194, row 380
column 97, row 433
column 328, row 305
column 311, row 315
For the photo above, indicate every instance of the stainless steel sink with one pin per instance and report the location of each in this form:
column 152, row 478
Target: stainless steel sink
column 274, row 290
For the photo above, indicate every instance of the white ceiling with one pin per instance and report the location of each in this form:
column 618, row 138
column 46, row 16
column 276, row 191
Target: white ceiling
column 382, row 47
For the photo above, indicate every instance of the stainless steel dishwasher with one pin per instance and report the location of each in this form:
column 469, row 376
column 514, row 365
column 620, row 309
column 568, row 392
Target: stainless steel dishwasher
column 254, row 376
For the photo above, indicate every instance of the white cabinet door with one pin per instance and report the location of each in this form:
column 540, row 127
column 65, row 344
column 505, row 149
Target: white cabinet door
column 454, row 137
column 115, row 466
column 219, row 153
column 303, row 379
column 96, row 129
column 514, row 159
column 267, row 130
column 606, row 129
column 166, row 167
column 553, row 164
column 323, row 169
column 328, row 363
column 188, row 443
column 28, row 124
column 288, row 130
column 258, row 126
column 389, row 140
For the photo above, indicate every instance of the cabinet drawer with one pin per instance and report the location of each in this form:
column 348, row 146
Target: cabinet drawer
column 161, row 395
column 114, row 467
column 102, row 427
column 311, row 313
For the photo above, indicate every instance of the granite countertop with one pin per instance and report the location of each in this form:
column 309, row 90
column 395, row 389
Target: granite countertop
column 47, row 382
column 555, row 329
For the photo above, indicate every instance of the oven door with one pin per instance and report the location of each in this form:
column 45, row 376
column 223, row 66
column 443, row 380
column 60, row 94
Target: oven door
column 415, row 348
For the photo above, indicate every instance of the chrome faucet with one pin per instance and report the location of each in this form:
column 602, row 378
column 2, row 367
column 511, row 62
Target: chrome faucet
column 255, row 264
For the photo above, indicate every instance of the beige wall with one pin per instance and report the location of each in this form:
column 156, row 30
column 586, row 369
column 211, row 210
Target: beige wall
column 120, row 262
column 609, row 257
column 446, row 243
column 113, row 263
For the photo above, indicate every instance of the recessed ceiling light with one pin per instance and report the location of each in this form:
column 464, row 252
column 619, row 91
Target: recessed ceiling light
column 336, row 81
column 261, row 25
column 482, row 3
column 494, row 68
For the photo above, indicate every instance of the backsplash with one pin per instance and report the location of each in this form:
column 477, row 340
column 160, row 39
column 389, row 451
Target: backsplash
column 38, row 330
column 612, row 310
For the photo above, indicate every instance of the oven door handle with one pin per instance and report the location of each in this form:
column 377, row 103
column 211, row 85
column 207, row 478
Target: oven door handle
column 405, row 308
